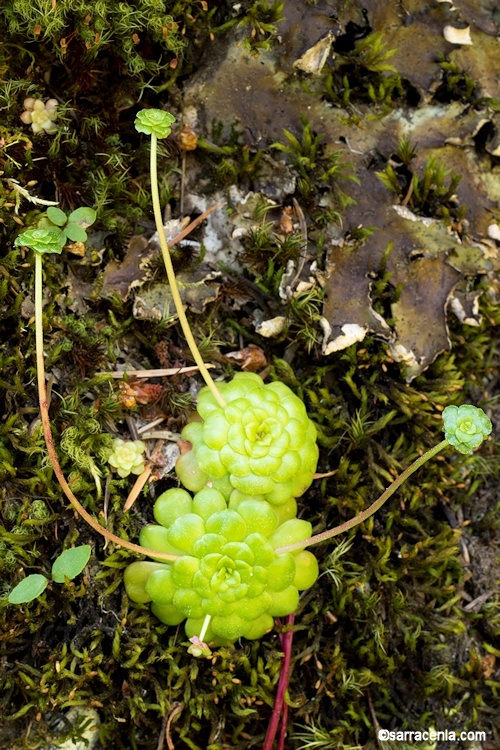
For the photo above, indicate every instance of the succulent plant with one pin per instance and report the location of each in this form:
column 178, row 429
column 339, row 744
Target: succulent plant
column 465, row 427
column 154, row 122
column 227, row 567
column 260, row 443
column 41, row 240
column 40, row 115
column 127, row 457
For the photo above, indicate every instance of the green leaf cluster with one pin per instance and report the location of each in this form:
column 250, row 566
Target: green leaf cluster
column 431, row 193
column 68, row 226
column 227, row 566
column 68, row 565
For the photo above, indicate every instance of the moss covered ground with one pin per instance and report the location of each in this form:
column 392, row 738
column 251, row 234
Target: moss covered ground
column 401, row 629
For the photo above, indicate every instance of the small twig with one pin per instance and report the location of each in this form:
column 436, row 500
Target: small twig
column 161, row 738
column 195, row 223
column 374, row 719
column 132, row 427
column 136, row 489
column 408, row 195
column 161, row 373
column 176, row 709
column 143, row 478
column 476, row 603
column 147, row 427
column 106, row 503
column 303, row 253
column 327, row 474
column 173, row 437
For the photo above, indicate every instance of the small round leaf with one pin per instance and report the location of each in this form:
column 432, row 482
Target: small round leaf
column 70, row 563
column 56, row 216
column 28, row 589
column 83, row 216
column 75, row 233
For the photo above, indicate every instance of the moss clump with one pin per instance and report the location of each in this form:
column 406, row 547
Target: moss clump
column 400, row 617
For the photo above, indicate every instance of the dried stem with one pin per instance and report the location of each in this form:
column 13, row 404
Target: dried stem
column 44, row 413
column 371, row 509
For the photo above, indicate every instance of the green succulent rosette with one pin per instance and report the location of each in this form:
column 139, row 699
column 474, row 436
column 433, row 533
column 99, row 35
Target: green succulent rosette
column 154, row 122
column 261, row 442
column 465, row 427
column 41, row 240
column 227, row 567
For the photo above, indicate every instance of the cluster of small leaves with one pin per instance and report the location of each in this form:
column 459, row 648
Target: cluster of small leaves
column 362, row 74
column 56, row 228
column 127, row 457
column 261, row 443
column 229, row 159
column 466, row 427
column 248, row 459
column 318, row 169
column 68, row 227
column 456, row 85
column 68, row 565
column 432, row 194
column 227, row 567
column 261, row 19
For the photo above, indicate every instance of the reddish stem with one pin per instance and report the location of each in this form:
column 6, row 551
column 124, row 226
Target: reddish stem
column 280, row 710
column 44, row 415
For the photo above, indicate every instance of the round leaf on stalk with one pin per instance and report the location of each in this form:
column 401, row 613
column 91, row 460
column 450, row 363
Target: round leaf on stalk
column 82, row 216
column 70, row 563
column 56, row 216
column 28, row 589
column 75, row 233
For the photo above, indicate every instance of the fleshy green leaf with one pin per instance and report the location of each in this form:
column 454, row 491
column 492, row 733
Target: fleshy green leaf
column 83, row 216
column 154, row 122
column 56, row 216
column 28, row 589
column 70, row 563
column 42, row 240
column 75, row 233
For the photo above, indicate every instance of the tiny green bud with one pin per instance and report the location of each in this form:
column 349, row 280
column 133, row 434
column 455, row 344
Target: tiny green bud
column 42, row 240
column 154, row 122
column 465, row 427
column 127, row 457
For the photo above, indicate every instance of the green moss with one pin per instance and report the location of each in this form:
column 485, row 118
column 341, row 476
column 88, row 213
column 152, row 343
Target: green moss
column 388, row 621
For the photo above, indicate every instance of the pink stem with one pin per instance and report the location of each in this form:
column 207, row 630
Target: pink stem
column 284, row 721
column 280, row 710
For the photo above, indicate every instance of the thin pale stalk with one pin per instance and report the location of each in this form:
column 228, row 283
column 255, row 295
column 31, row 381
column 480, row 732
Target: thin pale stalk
column 44, row 414
column 371, row 509
column 171, row 277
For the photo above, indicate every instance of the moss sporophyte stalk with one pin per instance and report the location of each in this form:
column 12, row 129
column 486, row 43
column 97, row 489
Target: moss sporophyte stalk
column 231, row 557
